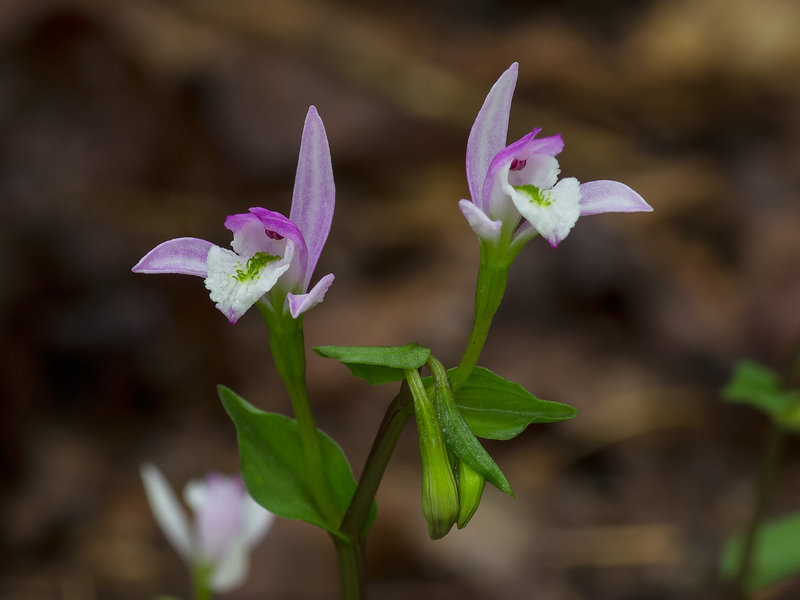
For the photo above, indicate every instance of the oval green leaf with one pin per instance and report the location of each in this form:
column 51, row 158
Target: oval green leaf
column 498, row 409
column 274, row 468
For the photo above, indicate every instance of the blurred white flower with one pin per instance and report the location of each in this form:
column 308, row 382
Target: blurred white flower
column 227, row 523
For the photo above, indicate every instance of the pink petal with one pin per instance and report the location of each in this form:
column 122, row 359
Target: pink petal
column 250, row 236
column 314, row 190
column 300, row 303
column 610, row 196
column 275, row 222
column 218, row 517
column 496, row 202
column 488, row 134
column 521, row 150
column 185, row 256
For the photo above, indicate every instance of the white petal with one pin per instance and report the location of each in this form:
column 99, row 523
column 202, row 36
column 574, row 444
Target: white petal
column 231, row 568
column 256, row 521
column 167, row 510
column 554, row 213
column 194, row 494
column 237, row 283
column 483, row 226
column 540, row 170
column 251, row 237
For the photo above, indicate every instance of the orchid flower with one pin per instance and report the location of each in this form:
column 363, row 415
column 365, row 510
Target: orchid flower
column 515, row 189
column 227, row 524
column 270, row 251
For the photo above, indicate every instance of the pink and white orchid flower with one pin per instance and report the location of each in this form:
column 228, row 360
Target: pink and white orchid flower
column 227, row 523
column 515, row 189
column 269, row 250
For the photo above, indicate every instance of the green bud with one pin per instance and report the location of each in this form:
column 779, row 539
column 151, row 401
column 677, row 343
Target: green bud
column 470, row 491
column 439, row 489
column 439, row 492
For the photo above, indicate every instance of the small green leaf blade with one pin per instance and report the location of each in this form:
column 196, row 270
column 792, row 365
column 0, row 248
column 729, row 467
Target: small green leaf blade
column 274, row 469
column 377, row 364
column 498, row 409
column 776, row 556
column 755, row 385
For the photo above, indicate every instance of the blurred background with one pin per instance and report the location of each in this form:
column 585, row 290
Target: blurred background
column 128, row 123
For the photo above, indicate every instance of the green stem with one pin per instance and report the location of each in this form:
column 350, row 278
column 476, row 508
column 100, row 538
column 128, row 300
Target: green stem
column 201, row 590
column 350, row 556
column 767, row 478
column 489, row 290
column 287, row 342
column 391, row 427
column 768, row 475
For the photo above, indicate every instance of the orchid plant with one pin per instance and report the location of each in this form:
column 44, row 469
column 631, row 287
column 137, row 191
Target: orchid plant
column 227, row 524
column 766, row 551
column 296, row 471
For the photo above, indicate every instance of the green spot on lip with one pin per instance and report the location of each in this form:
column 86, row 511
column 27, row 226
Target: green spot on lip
column 535, row 195
column 254, row 266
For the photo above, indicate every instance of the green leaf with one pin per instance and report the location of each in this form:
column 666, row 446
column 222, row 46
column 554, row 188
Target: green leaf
column 776, row 557
column 756, row 385
column 498, row 409
column 377, row 364
column 274, row 467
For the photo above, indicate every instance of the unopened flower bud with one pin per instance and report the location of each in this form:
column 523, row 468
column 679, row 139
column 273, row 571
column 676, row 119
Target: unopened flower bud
column 439, row 490
column 470, row 491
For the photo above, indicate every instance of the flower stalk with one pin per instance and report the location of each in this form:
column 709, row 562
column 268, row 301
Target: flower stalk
column 287, row 342
column 489, row 290
column 350, row 560
column 767, row 478
column 201, row 583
